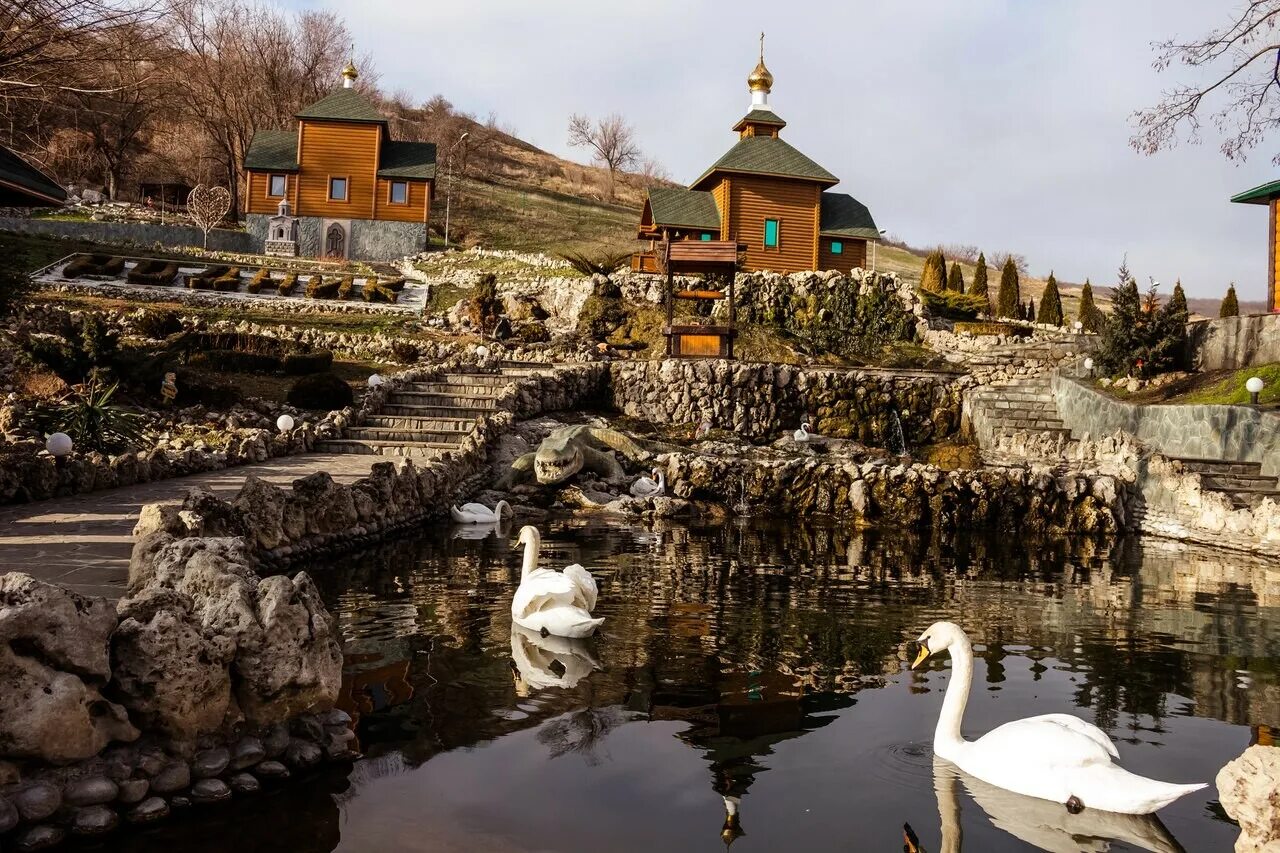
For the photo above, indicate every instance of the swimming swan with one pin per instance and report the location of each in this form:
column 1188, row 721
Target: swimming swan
column 553, row 602
column 474, row 513
column 649, row 488
column 1054, row 757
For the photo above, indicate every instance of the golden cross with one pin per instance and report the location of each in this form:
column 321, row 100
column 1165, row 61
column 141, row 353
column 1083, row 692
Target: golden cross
column 762, row 46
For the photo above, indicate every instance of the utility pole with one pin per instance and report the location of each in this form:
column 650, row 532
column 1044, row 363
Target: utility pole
column 448, row 193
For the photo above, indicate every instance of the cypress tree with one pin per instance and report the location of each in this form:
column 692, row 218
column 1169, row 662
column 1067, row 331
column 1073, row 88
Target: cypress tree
column 1125, row 328
column 1030, row 314
column 933, row 277
column 1009, row 299
column 1089, row 316
column 1050, row 304
column 1230, row 305
column 955, row 278
column 978, row 286
column 1168, row 349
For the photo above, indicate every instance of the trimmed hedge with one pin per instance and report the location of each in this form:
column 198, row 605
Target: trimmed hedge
column 229, row 282
column 320, row 391
column 288, row 284
column 263, row 278
column 954, row 305
column 204, row 280
column 153, row 272
column 395, row 285
column 377, row 292
column 318, row 288
column 82, row 265
column 303, row 363
column 345, row 286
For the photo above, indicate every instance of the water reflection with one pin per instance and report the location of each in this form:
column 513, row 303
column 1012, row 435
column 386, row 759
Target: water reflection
column 749, row 686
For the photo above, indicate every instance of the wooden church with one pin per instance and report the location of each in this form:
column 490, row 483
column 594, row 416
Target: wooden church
column 765, row 195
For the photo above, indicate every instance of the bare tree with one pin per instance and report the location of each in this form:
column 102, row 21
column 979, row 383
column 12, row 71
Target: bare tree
column 610, row 139
column 1241, row 95
column 653, row 173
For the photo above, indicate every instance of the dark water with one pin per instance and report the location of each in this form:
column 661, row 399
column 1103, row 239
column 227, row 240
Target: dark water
column 763, row 666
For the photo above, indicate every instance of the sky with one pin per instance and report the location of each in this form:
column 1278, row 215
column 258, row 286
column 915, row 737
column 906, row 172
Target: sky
column 997, row 123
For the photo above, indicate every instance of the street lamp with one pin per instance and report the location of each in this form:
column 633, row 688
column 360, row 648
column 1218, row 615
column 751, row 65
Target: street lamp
column 284, row 423
column 448, row 179
column 1088, row 367
column 1077, row 325
column 1254, row 387
column 375, row 380
column 58, row 444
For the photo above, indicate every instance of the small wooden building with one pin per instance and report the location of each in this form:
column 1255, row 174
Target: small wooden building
column 355, row 191
column 765, row 194
column 1268, row 194
column 23, row 185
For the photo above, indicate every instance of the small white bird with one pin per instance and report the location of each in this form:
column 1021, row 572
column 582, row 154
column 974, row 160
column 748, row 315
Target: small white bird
column 802, row 435
column 474, row 513
column 646, row 487
column 1055, row 757
column 550, row 602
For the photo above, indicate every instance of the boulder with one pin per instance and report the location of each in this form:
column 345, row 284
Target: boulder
column 54, row 658
column 261, row 506
column 1249, row 790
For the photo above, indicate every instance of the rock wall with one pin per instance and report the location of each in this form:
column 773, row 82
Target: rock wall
column 1228, row 433
column 1230, row 343
column 147, row 234
column 1249, row 790
column 760, row 401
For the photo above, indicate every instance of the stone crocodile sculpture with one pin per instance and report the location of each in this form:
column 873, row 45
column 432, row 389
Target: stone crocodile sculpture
column 570, row 449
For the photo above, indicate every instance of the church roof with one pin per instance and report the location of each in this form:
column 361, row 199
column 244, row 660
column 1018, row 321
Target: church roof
column 343, row 105
column 407, row 160
column 676, row 207
column 757, row 116
column 276, row 150
column 768, row 155
column 1258, row 195
column 23, row 185
column 843, row 215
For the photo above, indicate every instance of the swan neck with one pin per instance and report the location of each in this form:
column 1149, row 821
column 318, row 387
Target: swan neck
column 530, row 555
column 497, row 510
column 946, row 738
column 662, row 480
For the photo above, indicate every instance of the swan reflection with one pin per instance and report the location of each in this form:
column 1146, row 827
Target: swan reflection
column 481, row 530
column 1042, row 824
column 551, row 661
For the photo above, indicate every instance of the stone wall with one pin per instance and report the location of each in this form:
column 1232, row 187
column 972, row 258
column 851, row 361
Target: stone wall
column 760, row 401
column 133, row 233
column 1230, row 343
column 1228, row 433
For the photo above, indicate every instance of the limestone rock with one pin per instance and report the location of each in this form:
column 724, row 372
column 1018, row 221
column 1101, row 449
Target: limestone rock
column 65, row 628
column 261, row 506
column 1249, row 790
column 159, row 517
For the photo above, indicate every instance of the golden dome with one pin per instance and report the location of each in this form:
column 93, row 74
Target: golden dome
column 349, row 70
column 760, row 80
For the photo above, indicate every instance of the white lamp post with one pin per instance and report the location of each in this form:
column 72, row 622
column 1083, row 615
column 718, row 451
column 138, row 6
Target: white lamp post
column 448, row 195
column 1254, row 387
column 375, row 380
column 1078, row 326
column 284, row 423
column 1088, row 367
column 59, row 444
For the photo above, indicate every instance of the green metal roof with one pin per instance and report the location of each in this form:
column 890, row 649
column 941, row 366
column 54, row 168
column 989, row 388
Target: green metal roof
column 407, row 160
column 343, row 105
column 1258, row 195
column 276, row 150
column 23, row 185
column 678, row 207
column 843, row 215
column 760, row 117
column 767, row 155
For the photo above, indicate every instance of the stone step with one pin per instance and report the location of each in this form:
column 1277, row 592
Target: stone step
column 496, row 380
column 425, row 398
column 1244, row 488
column 437, row 412
column 381, row 434
column 1220, row 466
column 371, row 448
column 456, row 389
column 1025, row 405
column 440, row 425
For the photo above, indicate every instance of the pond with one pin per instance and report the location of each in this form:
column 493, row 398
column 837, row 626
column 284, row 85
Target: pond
column 760, row 668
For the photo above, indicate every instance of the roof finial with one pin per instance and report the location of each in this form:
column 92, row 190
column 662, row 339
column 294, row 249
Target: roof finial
column 349, row 73
column 762, row 45
column 760, row 80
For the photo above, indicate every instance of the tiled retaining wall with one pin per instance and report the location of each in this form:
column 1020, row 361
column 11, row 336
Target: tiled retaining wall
column 1234, row 342
column 134, row 233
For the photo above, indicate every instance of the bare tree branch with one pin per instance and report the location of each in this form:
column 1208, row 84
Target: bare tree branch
column 610, row 139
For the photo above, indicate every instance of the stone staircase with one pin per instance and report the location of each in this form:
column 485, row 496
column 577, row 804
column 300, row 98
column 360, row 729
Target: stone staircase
column 1023, row 404
column 428, row 419
column 1242, row 482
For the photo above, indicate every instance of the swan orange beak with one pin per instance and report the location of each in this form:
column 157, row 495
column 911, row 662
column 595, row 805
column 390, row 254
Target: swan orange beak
column 921, row 656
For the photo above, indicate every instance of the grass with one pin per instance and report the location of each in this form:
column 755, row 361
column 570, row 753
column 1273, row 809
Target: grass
column 1227, row 388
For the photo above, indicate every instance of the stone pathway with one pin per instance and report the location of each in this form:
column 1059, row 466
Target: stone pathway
column 83, row 542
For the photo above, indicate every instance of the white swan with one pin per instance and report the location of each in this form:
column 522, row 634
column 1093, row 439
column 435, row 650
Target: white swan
column 649, row 488
column 535, row 657
column 553, row 602
column 1054, row 757
column 474, row 513
column 802, row 435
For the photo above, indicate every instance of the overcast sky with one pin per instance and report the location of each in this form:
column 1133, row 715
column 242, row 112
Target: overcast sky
column 998, row 123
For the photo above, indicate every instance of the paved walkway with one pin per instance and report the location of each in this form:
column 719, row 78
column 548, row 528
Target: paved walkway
column 83, row 542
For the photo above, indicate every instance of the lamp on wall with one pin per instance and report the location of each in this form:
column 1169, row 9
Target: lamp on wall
column 284, row 423
column 1254, row 387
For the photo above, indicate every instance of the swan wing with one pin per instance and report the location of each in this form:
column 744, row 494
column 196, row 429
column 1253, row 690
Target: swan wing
column 542, row 589
column 1051, row 740
column 585, row 584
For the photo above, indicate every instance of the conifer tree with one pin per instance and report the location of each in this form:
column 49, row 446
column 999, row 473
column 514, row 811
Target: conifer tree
column 1125, row 328
column 978, row 286
column 933, row 277
column 1050, row 304
column 1030, row 314
column 1089, row 316
column 1230, row 305
column 1009, row 299
column 955, row 278
column 1168, row 348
